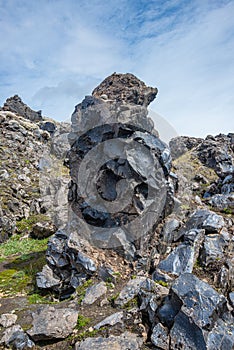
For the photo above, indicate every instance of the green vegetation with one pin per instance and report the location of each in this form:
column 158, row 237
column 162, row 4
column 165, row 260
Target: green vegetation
column 25, row 225
column 131, row 304
column 82, row 321
column 23, row 258
column 162, row 283
column 133, row 277
column 227, row 211
column 87, row 334
column 13, row 281
column 81, row 290
column 17, row 245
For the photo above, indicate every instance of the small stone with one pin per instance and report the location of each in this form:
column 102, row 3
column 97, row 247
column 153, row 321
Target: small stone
column 94, row 292
column 16, row 338
column 111, row 320
column 7, row 320
column 159, row 337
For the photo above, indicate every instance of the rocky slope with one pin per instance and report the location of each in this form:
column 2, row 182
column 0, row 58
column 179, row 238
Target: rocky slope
column 165, row 282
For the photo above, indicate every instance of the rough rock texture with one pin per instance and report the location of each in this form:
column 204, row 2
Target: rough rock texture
column 124, row 341
column 121, row 183
column 15, row 338
column 50, row 323
column 16, row 105
column 7, row 320
column 111, row 320
column 95, row 292
column 125, row 88
column 24, row 146
column 172, row 287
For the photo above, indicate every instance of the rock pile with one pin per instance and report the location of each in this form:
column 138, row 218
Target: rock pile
column 25, row 137
column 170, row 288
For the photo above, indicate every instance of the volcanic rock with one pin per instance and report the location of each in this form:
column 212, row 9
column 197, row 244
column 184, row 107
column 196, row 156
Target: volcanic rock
column 125, row 88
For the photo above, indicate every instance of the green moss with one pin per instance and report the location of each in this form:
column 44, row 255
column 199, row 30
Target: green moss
column 25, row 225
column 227, row 211
column 13, row 281
column 133, row 277
column 162, row 283
column 113, row 298
column 110, row 285
column 36, row 298
column 81, row 290
column 82, row 321
column 131, row 304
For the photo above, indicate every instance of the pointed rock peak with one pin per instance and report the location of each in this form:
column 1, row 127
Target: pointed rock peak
column 16, row 105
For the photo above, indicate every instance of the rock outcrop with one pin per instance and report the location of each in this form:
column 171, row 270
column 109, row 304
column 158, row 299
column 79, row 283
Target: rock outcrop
column 16, row 105
column 125, row 88
column 168, row 279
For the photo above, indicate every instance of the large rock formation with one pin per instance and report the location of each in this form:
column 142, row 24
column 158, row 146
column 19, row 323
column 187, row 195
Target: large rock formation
column 170, row 281
column 121, row 184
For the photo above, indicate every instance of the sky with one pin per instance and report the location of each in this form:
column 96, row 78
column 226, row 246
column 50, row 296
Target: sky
column 54, row 52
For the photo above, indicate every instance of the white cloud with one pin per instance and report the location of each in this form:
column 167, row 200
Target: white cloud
column 53, row 53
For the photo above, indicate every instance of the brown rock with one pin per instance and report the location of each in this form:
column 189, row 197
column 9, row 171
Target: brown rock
column 125, row 88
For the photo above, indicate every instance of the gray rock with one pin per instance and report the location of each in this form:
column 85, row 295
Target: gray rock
column 181, row 144
column 202, row 219
column 222, row 201
column 231, row 298
column 125, row 88
column 212, row 249
column 149, row 304
column 186, row 335
column 94, row 292
column 4, row 175
column 111, row 320
column 42, row 230
column 16, row 105
column 160, row 337
column 222, row 335
column 47, row 279
column 52, row 323
column 216, row 153
column 169, row 228
column 106, row 273
column 183, row 257
column 159, row 275
column 15, row 338
column 132, row 289
column 126, row 341
column 200, row 302
column 7, row 320
column 48, row 126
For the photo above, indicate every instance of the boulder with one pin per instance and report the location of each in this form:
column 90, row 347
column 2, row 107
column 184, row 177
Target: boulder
column 126, row 340
column 184, row 256
column 94, row 293
column 52, row 323
column 125, row 88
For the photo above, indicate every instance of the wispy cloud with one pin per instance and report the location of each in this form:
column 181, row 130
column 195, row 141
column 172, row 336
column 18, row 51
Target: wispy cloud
column 53, row 53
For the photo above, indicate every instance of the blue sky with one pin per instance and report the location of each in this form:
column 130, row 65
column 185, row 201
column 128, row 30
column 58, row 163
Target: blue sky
column 52, row 53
